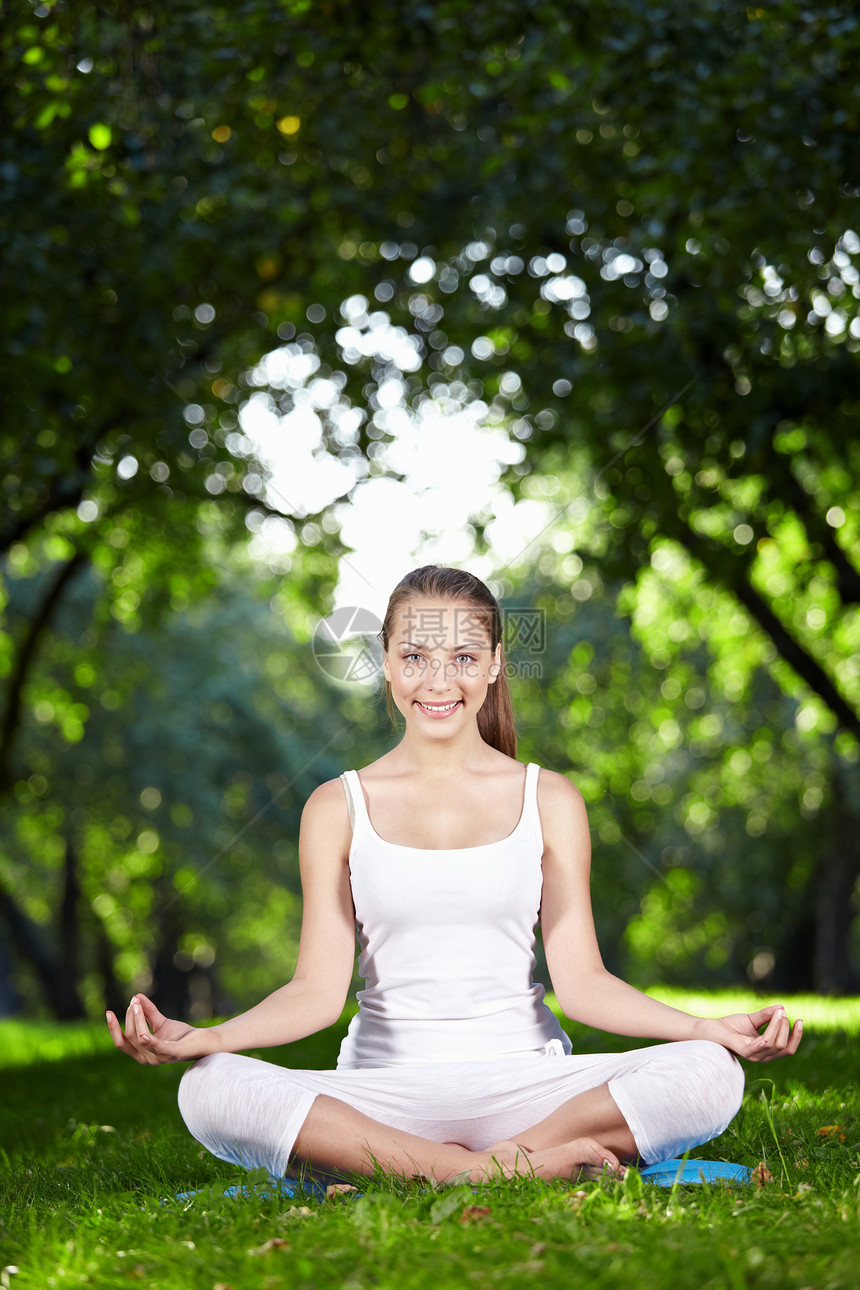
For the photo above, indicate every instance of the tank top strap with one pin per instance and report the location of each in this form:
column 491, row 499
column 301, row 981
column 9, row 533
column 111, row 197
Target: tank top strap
column 531, row 815
column 354, row 799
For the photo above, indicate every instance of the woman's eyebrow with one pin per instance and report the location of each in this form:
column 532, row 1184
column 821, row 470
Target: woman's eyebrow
column 454, row 648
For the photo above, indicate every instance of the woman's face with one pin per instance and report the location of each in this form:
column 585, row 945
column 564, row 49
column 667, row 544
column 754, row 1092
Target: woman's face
column 440, row 664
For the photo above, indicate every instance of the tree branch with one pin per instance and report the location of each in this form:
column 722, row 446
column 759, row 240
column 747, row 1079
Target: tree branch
column 58, row 497
column 62, row 492
column 818, row 530
column 715, row 559
column 26, row 657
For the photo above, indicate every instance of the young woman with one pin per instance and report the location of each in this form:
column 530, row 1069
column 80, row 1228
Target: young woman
column 443, row 855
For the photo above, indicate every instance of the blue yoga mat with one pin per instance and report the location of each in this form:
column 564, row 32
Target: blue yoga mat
column 665, row 1174
column 280, row 1188
column 668, row 1172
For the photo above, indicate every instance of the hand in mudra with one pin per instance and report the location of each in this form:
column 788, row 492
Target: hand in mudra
column 743, row 1034
column 150, row 1037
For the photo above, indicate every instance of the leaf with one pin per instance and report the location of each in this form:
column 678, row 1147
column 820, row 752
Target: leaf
column 449, row 1203
column 274, row 1243
column 475, row 1213
column 832, row 1131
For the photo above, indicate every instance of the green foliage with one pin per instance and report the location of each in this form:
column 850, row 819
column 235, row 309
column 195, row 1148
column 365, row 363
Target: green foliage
column 95, row 1160
column 713, row 810
column 175, row 805
column 198, row 180
column 627, row 233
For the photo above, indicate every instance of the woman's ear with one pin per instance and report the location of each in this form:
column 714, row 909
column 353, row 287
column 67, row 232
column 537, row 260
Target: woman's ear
column 496, row 665
column 386, row 670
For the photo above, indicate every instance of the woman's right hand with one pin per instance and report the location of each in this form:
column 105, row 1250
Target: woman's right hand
column 151, row 1038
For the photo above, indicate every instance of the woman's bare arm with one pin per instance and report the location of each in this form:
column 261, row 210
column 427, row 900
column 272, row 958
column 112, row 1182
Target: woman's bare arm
column 315, row 996
column 586, row 991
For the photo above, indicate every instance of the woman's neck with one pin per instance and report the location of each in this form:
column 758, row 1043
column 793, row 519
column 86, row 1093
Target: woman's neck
column 440, row 759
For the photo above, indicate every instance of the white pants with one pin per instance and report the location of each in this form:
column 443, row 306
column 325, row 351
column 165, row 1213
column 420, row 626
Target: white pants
column 673, row 1097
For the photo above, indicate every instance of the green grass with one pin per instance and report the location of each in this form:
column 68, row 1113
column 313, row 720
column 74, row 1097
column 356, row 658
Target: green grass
column 93, row 1147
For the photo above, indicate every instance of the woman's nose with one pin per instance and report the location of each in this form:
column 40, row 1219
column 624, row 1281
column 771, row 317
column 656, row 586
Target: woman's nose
column 438, row 674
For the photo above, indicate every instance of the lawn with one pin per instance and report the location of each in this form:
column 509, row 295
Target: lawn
column 94, row 1154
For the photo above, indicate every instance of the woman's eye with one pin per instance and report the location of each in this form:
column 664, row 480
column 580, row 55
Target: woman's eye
column 468, row 658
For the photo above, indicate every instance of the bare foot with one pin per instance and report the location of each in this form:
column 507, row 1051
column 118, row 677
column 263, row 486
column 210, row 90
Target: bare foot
column 580, row 1158
column 506, row 1159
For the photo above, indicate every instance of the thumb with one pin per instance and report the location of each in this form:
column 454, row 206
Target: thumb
column 764, row 1015
column 740, row 1044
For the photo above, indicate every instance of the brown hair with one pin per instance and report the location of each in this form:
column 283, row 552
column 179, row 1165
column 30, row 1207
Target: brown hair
column 434, row 582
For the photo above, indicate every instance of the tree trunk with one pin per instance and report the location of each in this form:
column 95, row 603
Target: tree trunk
column 795, row 962
column 60, row 990
column 10, row 999
column 838, row 870
column 170, row 967
column 114, row 996
column 69, row 938
column 26, row 656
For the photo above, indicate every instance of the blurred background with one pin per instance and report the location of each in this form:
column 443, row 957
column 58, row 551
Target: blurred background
column 297, row 297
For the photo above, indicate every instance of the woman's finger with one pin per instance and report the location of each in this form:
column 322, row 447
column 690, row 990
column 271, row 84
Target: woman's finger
column 776, row 1032
column 150, row 1012
column 120, row 1040
column 137, row 1041
column 130, row 1020
column 782, row 1043
column 136, row 1030
column 116, row 1032
column 141, row 1031
column 784, row 1032
column 775, row 1026
column 764, row 1015
column 763, row 1018
column 790, row 1044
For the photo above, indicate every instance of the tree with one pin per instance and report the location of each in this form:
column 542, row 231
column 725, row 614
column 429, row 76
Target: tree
column 153, row 841
column 708, row 806
column 631, row 230
column 665, row 289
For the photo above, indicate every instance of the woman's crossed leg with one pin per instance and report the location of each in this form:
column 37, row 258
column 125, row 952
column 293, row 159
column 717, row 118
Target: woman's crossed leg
column 588, row 1133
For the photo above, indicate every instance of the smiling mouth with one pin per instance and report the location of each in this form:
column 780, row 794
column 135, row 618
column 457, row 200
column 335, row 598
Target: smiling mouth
column 438, row 708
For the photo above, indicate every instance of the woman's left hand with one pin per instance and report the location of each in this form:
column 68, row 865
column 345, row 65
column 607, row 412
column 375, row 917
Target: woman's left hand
column 742, row 1034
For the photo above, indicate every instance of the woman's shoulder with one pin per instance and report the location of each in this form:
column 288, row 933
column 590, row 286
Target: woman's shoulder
column 558, row 797
column 326, row 798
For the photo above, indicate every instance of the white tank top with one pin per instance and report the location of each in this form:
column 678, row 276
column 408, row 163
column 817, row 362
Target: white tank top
column 447, row 946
